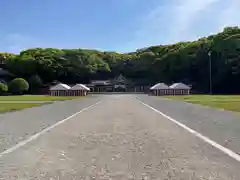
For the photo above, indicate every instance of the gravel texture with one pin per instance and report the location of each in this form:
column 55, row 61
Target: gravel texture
column 120, row 139
column 219, row 125
column 17, row 126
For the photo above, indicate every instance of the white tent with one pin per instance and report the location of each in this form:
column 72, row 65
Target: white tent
column 180, row 89
column 179, row 86
column 59, row 87
column 159, row 89
column 80, row 87
column 159, row 86
column 79, row 90
column 59, row 90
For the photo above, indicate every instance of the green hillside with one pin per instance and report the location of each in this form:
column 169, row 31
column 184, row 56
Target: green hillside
column 187, row 62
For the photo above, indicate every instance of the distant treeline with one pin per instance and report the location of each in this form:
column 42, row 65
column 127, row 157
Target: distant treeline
column 187, row 62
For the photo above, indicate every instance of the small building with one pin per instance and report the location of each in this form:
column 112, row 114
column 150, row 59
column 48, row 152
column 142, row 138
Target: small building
column 100, row 86
column 79, row 90
column 179, row 89
column 59, row 90
column 159, row 89
column 119, row 84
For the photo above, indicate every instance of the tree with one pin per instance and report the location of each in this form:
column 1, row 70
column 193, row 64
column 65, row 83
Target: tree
column 18, row 86
column 183, row 61
column 3, row 88
column 35, row 83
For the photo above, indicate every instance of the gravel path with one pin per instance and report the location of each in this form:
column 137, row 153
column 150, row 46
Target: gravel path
column 119, row 138
column 220, row 126
column 17, row 126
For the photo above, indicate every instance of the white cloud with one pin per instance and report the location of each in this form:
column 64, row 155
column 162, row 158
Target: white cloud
column 185, row 14
column 230, row 15
column 182, row 20
column 170, row 22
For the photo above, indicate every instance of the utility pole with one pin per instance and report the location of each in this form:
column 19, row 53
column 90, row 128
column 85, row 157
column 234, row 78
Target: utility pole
column 210, row 71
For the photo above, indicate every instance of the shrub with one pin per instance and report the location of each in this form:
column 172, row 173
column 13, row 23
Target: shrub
column 3, row 88
column 18, row 86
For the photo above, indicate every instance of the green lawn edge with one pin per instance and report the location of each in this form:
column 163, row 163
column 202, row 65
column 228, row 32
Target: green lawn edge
column 229, row 103
column 11, row 107
column 37, row 98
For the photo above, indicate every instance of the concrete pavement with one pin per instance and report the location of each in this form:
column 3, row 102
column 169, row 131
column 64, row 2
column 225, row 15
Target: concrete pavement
column 220, row 126
column 20, row 125
column 119, row 138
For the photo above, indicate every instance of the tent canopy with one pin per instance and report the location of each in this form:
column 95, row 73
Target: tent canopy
column 80, row 87
column 159, row 86
column 179, row 86
column 60, row 87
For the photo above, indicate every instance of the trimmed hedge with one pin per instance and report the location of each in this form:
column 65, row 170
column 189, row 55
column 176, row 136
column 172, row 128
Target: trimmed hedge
column 18, row 86
column 3, row 88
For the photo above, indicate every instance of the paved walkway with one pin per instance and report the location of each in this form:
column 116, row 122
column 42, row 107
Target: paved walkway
column 20, row 125
column 118, row 138
column 221, row 126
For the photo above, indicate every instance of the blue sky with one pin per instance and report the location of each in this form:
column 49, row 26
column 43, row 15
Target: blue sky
column 111, row 25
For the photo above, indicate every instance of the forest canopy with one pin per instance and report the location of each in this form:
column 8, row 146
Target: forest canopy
column 186, row 62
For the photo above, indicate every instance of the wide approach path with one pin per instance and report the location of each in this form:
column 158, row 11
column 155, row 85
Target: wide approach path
column 117, row 138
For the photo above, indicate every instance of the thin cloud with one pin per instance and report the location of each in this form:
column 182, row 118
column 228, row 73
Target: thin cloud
column 184, row 20
column 230, row 15
column 185, row 13
column 169, row 22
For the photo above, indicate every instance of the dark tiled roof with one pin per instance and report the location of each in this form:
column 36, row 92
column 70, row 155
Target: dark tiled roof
column 4, row 72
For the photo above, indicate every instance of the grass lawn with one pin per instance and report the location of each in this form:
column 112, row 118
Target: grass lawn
column 9, row 107
column 230, row 102
column 36, row 98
